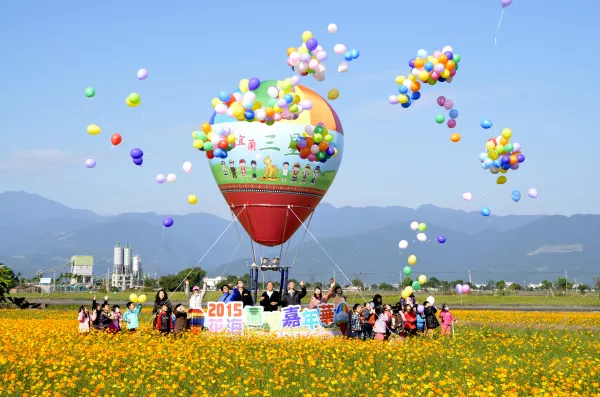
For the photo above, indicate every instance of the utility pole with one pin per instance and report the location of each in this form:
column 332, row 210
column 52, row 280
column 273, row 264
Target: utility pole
column 470, row 280
column 566, row 282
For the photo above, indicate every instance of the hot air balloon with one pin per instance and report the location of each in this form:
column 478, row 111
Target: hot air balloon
column 267, row 179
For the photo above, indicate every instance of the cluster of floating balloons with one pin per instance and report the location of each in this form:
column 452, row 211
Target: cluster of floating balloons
column 308, row 58
column 315, row 144
column 462, row 288
column 135, row 298
column 282, row 103
column 501, row 154
column 416, row 286
column 441, row 67
column 137, row 155
column 448, row 104
column 215, row 144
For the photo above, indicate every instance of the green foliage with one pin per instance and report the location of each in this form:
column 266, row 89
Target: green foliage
column 407, row 282
column 386, row 287
column 173, row 281
column 583, row 288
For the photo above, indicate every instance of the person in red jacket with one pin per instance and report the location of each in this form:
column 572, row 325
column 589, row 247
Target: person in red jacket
column 410, row 326
column 163, row 320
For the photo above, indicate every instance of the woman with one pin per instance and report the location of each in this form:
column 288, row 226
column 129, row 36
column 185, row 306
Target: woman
column 318, row 297
column 380, row 326
column 160, row 300
column 195, row 312
column 270, row 300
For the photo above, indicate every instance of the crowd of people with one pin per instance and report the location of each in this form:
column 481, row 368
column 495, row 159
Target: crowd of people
column 372, row 320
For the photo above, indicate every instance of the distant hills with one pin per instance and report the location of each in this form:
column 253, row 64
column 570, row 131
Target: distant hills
column 37, row 233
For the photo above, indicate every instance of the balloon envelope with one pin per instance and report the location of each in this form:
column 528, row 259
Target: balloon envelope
column 516, row 196
column 459, row 288
column 485, row 211
column 441, row 239
column 168, row 221
column 269, row 187
column 430, row 299
column 403, row 244
column 160, row 178
column 422, row 237
column 90, row 163
column 532, row 193
column 466, row 288
column 414, row 225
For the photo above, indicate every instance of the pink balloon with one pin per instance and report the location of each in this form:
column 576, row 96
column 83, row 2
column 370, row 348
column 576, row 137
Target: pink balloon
column 312, row 157
column 466, row 288
column 451, row 123
column 448, row 104
column 452, row 73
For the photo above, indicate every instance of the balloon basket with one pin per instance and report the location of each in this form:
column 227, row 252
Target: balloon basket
column 255, row 270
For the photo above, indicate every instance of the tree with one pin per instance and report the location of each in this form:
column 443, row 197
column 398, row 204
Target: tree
column 374, row 286
column 515, row 287
column 174, row 281
column 546, row 285
column 386, row 287
column 405, row 283
column 7, row 281
column 563, row 285
column 433, row 283
column 358, row 283
column 500, row 285
column 149, row 281
column 490, row 285
column 582, row 288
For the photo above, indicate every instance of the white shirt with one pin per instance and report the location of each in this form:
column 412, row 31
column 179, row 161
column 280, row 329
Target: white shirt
column 196, row 302
column 269, row 293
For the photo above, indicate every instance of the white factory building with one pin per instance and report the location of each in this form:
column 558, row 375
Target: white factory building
column 127, row 270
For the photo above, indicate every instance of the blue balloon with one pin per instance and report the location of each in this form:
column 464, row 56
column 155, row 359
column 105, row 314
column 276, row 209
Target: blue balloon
column 168, row 221
column 505, row 166
column 485, row 124
column 483, row 156
column 288, row 98
column 139, row 161
column 487, row 163
column 485, row 211
column 428, row 66
column 516, row 196
column 505, row 159
column 355, row 53
column 441, row 239
column 249, row 114
column 406, row 105
column 217, row 152
column 441, row 79
column 402, row 89
column 453, row 113
column 136, row 153
column 348, row 56
column 223, row 96
column 496, row 164
column 416, row 95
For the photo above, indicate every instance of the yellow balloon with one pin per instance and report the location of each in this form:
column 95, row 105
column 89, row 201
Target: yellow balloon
column 402, row 98
column 192, row 199
column 507, row 133
column 400, row 79
column 435, row 61
column 333, row 93
column 215, row 102
column 424, row 75
column 231, row 138
column 244, row 85
column 412, row 77
column 445, row 73
column 492, row 154
column 489, row 145
column 501, row 180
column 335, row 153
column 412, row 260
column 405, row 294
column 303, row 50
column 93, row 129
column 503, row 141
column 210, row 136
column 277, row 109
column 422, row 279
column 306, row 35
column 198, row 143
column 503, row 171
column 257, row 105
column 142, row 298
column 409, row 290
column 132, row 105
column 296, row 99
column 134, row 298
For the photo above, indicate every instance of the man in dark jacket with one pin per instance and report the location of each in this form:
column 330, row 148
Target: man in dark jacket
column 270, row 299
column 293, row 297
column 243, row 295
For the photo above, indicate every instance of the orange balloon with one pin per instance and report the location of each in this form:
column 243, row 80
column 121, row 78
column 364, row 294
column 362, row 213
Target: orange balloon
column 310, row 141
column 305, row 151
column 455, row 137
column 419, row 63
column 503, row 141
column 269, row 111
column 290, row 50
column 443, row 59
column 416, row 86
column 513, row 159
column 450, row 64
column 206, row 128
column 323, row 146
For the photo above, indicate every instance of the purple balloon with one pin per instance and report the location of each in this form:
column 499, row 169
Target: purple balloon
column 411, row 63
column 439, row 68
column 441, row 100
column 253, row 84
column 459, row 288
column 448, row 104
column 168, row 221
column 139, row 161
column 90, row 163
column 312, row 44
column 330, row 151
column 520, row 158
column 514, row 166
column 451, row 123
column 301, row 143
column 136, row 153
column 441, row 239
column 506, row 3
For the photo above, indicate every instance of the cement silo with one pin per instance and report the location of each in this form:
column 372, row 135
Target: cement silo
column 137, row 278
column 118, row 260
column 127, row 260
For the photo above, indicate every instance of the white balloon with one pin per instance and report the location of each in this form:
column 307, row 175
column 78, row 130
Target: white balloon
column 533, row 193
column 160, row 178
column 447, row 48
column 332, row 28
column 260, row 114
column 309, row 129
column 422, row 237
column 319, row 76
column 171, row 178
column 313, row 64
column 237, row 96
column 407, row 83
column 302, row 67
column 343, row 67
column 306, row 104
column 415, row 72
column 467, row 196
column 339, row 49
column 187, row 167
column 403, row 244
column 431, row 300
column 221, row 108
column 414, row 225
column 229, row 112
column 273, row 92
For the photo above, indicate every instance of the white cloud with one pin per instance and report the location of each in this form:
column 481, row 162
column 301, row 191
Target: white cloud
column 37, row 159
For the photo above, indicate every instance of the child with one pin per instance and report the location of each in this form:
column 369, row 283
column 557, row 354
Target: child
column 115, row 319
column 431, row 321
column 84, row 320
column 355, row 323
column 104, row 317
column 180, row 319
column 132, row 316
column 447, row 320
column 96, row 312
column 368, row 321
column 163, row 320
column 411, row 320
column 420, row 322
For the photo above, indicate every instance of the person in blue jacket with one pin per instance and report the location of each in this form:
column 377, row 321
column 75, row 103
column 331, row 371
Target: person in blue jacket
column 132, row 316
column 228, row 296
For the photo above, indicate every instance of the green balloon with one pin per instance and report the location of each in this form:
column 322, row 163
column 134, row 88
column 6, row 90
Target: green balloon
column 318, row 129
column 134, row 98
column 508, row 148
column 293, row 145
column 407, row 271
column 90, row 92
column 456, row 66
column 439, row 118
column 321, row 156
column 416, row 285
column 318, row 138
column 208, row 146
column 422, row 227
column 456, row 58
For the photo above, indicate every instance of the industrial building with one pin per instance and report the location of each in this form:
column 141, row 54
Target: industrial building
column 127, row 270
column 82, row 269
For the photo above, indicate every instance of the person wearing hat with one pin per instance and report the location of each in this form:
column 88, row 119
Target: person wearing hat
column 195, row 313
column 197, row 296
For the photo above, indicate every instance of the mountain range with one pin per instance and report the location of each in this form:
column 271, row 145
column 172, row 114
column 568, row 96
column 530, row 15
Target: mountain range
column 37, row 233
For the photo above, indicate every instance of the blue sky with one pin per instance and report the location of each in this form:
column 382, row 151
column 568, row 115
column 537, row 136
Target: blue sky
column 538, row 80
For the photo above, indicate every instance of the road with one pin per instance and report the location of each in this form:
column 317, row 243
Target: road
column 77, row 302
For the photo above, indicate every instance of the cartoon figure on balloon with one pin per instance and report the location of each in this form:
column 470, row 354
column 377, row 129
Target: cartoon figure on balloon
column 243, row 169
column 306, row 173
column 295, row 172
column 224, row 168
column 270, row 170
column 253, row 165
column 284, row 172
column 315, row 174
column 232, row 169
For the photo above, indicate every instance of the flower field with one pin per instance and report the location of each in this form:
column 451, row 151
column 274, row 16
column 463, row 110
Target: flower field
column 42, row 354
